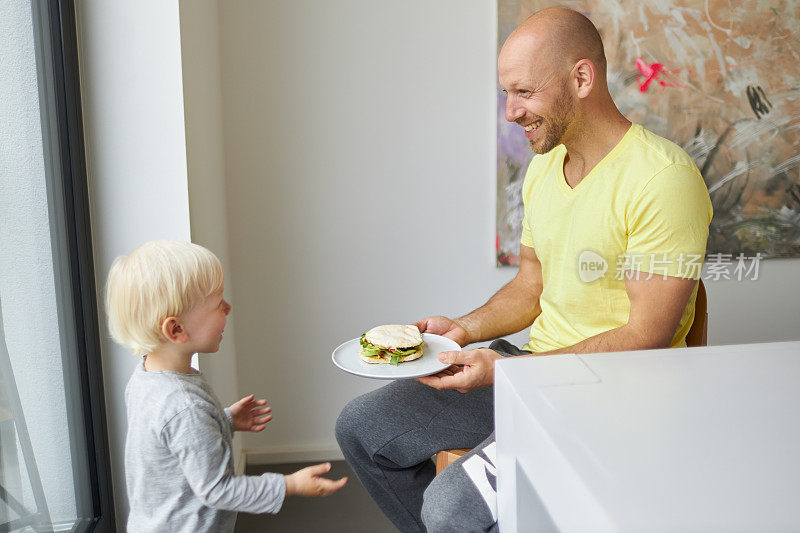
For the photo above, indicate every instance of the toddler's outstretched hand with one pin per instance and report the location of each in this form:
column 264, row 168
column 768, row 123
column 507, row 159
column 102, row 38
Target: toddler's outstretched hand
column 248, row 414
column 308, row 482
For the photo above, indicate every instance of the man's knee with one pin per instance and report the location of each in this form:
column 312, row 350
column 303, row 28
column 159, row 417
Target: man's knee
column 452, row 504
column 350, row 420
column 444, row 504
column 440, row 505
column 435, row 512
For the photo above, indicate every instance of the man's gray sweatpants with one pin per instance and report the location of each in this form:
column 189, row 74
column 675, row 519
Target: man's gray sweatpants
column 389, row 435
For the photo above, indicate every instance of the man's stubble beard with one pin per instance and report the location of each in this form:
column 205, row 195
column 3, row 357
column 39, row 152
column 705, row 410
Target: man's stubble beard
column 556, row 128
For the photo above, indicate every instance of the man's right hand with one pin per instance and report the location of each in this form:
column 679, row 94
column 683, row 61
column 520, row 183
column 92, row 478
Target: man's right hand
column 446, row 327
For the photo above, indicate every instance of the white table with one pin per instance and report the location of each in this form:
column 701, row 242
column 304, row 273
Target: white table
column 691, row 439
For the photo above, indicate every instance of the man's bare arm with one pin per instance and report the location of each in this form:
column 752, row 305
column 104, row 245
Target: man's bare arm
column 513, row 308
column 656, row 308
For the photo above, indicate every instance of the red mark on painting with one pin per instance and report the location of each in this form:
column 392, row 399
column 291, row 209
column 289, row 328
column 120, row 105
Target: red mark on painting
column 651, row 73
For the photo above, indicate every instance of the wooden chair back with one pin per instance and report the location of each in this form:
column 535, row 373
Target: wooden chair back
column 698, row 333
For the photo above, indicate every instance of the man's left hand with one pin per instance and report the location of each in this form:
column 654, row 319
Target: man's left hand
column 249, row 414
column 474, row 370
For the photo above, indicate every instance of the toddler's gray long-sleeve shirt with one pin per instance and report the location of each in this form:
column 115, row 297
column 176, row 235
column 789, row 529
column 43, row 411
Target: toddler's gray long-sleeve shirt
column 179, row 460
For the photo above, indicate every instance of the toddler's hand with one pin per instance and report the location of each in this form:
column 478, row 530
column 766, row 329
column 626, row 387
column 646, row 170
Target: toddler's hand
column 247, row 413
column 307, row 482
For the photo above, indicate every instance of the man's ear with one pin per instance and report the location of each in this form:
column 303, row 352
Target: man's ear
column 585, row 76
column 172, row 328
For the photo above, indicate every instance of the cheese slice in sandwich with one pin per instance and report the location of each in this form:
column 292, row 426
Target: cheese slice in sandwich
column 391, row 344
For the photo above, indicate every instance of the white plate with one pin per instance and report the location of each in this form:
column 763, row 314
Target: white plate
column 346, row 357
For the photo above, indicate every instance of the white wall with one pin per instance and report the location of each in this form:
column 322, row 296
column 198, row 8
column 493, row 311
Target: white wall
column 206, row 169
column 764, row 310
column 360, row 167
column 360, row 163
column 130, row 65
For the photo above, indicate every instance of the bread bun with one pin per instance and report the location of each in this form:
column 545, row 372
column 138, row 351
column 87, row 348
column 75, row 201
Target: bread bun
column 394, row 336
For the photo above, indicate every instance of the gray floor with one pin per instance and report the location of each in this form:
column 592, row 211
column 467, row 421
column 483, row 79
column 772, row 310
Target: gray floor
column 350, row 510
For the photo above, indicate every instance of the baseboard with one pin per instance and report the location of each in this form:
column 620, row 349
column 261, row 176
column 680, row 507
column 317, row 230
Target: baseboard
column 295, row 454
column 239, row 467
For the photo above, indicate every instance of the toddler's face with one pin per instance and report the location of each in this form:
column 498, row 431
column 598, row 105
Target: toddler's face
column 205, row 323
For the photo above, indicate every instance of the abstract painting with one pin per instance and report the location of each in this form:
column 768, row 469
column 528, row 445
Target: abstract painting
column 720, row 78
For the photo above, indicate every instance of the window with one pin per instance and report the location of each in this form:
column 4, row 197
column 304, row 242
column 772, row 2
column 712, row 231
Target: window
column 54, row 466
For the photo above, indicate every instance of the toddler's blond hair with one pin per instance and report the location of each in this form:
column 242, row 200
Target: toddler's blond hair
column 157, row 280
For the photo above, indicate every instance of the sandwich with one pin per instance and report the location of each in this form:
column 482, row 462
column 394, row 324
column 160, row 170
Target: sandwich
column 391, row 344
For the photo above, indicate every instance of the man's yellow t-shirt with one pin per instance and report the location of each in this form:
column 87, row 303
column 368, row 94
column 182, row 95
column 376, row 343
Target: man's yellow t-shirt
column 644, row 207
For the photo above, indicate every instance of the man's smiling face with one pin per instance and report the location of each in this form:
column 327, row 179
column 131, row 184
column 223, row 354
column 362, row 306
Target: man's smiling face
column 537, row 96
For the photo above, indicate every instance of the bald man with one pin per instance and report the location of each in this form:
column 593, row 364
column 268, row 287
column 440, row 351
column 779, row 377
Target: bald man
column 614, row 232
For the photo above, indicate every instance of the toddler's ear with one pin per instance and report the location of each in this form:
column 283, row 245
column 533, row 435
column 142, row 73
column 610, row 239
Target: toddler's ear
column 173, row 330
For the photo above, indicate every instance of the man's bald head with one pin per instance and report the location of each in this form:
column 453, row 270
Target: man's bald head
column 553, row 71
column 560, row 37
